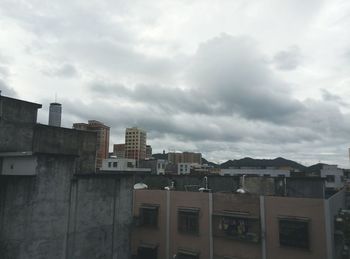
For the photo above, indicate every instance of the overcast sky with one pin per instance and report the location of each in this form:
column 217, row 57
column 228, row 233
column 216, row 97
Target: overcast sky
column 230, row 79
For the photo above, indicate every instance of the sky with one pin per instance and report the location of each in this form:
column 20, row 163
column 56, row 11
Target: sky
column 230, row 79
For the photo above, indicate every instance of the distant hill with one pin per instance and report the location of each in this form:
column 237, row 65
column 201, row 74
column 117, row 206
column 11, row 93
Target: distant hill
column 262, row 163
column 259, row 163
column 204, row 161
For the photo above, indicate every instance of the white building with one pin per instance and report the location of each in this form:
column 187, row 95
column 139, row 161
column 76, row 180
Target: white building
column 122, row 165
column 161, row 165
column 270, row 172
column 334, row 176
column 184, row 168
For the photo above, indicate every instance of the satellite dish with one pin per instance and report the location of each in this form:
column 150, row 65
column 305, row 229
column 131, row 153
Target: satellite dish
column 241, row 190
column 140, row 186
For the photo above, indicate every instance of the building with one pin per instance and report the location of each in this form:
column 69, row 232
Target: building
column 148, row 151
column 273, row 172
column 119, row 150
column 122, row 165
column 135, row 143
column 184, row 168
column 55, row 114
column 203, row 225
column 53, row 204
column 157, row 166
column 185, row 157
column 102, row 132
column 334, row 176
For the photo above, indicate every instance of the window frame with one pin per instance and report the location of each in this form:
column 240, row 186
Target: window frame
column 188, row 221
column 148, row 208
column 296, row 243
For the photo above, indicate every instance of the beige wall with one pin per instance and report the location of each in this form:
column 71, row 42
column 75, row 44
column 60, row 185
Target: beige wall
column 155, row 236
column 298, row 207
column 200, row 242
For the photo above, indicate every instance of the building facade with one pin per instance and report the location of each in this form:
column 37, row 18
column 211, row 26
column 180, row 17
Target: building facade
column 119, row 150
column 102, row 132
column 201, row 225
column 185, row 157
column 55, row 113
column 135, row 143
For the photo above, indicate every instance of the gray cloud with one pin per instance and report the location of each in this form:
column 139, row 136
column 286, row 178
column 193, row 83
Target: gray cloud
column 136, row 63
column 65, row 70
column 6, row 90
column 288, row 59
column 226, row 76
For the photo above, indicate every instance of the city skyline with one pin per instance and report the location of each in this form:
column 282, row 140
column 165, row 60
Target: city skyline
column 261, row 79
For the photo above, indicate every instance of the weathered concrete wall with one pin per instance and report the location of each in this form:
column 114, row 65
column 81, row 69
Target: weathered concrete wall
column 34, row 210
column 56, row 140
column 100, row 218
column 57, row 215
column 20, row 117
column 305, row 187
column 190, row 183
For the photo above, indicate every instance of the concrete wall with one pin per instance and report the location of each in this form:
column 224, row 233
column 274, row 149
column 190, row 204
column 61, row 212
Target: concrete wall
column 189, row 182
column 332, row 207
column 305, row 187
column 56, row 140
column 21, row 165
column 17, row 117
column 100, row 218
column 52, row 216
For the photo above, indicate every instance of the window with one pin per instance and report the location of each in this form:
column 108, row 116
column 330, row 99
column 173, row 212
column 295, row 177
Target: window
column 238, row 227
column 184, row 254
column 115, row 164
column 149, row 216
column 294, row 232
column 188, row 220
column 130, row 165
column 147, row 252
column 330, row 178
column 109, row 164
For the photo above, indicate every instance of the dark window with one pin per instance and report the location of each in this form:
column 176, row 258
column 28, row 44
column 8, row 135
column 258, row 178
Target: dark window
column 236, row 227
column 115, row 164
column 149, row 216
column 147, row 253
column 294, row 233
column 109, row 164
column 187, row 255
column 188, row 221
column 330, row 178
column 129, row 165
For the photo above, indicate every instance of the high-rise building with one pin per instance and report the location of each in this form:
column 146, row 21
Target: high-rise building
column 135, row 143
column 185, row 157
column 102, row 138
column 55, row 114
column 148, row 151
column 119, row 150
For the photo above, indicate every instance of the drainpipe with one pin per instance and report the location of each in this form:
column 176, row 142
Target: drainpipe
column 167, row 227
column 211, row 252
column 263, row 227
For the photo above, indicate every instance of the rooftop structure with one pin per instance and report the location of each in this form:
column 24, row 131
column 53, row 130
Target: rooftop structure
column 102, row 132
